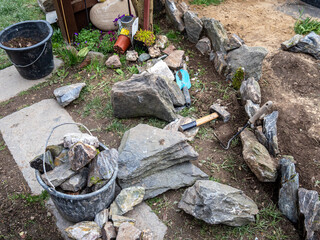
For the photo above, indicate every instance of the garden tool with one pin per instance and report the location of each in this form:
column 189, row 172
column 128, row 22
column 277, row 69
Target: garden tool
column 183, row 81
column 264, row 109
column 216, row 110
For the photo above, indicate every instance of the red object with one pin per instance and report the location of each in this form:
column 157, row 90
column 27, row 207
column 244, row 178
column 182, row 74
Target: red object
column 146, row 14
column 122, row 44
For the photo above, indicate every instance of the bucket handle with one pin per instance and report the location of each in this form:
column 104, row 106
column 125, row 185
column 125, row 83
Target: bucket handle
column 23, row 66
column 44, row 155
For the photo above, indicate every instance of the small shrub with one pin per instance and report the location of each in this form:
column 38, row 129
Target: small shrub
column 206, row 2
column 145, row 36
column 237, row 78
column 306, row 26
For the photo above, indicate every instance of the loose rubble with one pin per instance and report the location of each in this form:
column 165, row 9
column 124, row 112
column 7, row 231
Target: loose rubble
column 66, row 94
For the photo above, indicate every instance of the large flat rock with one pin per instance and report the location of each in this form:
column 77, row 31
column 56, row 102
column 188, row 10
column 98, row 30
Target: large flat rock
column 13, row 83
column 26, row 131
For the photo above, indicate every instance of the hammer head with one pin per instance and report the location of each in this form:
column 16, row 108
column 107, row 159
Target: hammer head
column 223, row 114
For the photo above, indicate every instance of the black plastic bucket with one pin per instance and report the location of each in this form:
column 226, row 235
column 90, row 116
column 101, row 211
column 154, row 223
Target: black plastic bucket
column 32, row 62
column 315, row 3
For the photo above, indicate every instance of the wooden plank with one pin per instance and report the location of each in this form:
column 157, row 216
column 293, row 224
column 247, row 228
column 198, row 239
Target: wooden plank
column 79, row 5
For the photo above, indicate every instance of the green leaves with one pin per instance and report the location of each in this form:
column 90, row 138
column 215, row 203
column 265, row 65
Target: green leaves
column 307, row 25
column 83, row 52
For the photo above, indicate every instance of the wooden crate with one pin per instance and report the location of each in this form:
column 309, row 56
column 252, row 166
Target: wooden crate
column 72, row 16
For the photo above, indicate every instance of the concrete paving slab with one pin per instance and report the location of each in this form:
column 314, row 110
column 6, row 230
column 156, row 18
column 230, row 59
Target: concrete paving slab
column 26, row 131
column 11, row 83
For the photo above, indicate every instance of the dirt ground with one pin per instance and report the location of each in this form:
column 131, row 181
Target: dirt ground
column 290, row 80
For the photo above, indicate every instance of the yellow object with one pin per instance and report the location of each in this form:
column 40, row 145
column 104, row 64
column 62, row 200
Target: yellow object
column 124, row 31
column 101, row 0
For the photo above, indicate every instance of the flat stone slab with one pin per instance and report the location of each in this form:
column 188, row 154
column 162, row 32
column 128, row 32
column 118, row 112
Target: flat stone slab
column 26, row 131
column 11, row 83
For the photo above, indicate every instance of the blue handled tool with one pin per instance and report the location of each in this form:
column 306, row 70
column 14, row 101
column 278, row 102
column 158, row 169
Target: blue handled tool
column 183, row 81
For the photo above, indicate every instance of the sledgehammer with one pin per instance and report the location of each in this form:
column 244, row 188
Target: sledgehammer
column 216, row 111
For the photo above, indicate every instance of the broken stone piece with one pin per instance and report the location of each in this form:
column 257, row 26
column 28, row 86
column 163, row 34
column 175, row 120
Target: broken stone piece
column 71, row 138
column 154, row 52
column 77, row 182
column 108, row 232
column 270, row 131
column 144, row 57
column 128, row 232
column 169, row 49
column 118, row 220
column 175, row 15
column 55, row 150
column 193, row 26
column 62, row 158
column 174, row 126
column 220, row 63
column 234, row 42
column 98, row 56
column 102, row 217
column 204, row 46
column 59, row 175
column 113, row 62
column 84, row 230
column 161, row 41
column 175, row 59
column 37, row 162
column 132, row 56
column 250, row 90
column 161, row 69
column 80, row 155
column 66, row 94
column 251, row 108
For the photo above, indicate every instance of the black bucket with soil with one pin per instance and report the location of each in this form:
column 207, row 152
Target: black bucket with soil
column 28, row 46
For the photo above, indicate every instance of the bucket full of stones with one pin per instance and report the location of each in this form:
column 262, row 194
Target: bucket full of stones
column 79, row 174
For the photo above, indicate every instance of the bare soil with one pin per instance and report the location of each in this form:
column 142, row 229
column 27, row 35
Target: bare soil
column 20, row 42
column 290, row 80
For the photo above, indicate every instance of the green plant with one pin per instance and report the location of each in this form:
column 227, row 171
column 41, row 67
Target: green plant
column 237, row 78
column 174, row 36
column 206, row 2
column 307, row 25
column 32, row 199
column 133, row 69
column 145, row 36
column 2, row 146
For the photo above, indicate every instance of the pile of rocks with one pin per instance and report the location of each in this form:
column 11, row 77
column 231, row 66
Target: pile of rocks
column 77, row 166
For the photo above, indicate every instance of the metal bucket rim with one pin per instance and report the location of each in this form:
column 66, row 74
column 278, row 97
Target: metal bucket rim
column 52, row 191
column 33, row 46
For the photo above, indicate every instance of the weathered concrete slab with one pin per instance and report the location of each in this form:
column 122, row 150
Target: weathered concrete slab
column 26, row 131
column 11, row 83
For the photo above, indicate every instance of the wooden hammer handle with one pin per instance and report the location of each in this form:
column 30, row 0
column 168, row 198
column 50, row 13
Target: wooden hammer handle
column 198, row 122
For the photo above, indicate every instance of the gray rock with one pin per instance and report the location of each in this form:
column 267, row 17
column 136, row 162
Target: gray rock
column 270, row 131
column 59, row 175
column 63, row 157
column 183, row 7
column 143, row 95
column 250, row 90
column 175, row 59
column 161, row 41
column 108, row 232
column 216, row 33
column 161, row 69
column 144, row 57
column 128, row 232
column 193, row 26
column 220, row 63
column 77, row 182
column 55, row 150
column 81, row 154
column 102, row 166
column 71, row 138
column 174, row 126
column 204, row 46
column 234, row 42
column 147, row 219
column 145, row 150
column 175, row 177
column 175, row 16
column 66, row 94
column 132, row 56
column 309, row 44
column 260, row 136
column 250, row 58
column 102, row 217
column 251, row 108
column 169, row 49
column 86, row 230
column 96, row 56
column 37, row 162
column 216, row 203
column 46, row 5
column 257, row 158
column 154, row 52
column 113, row 62
column 288, row 193
column 309, row 210
column 118, row 220
column 126, row 200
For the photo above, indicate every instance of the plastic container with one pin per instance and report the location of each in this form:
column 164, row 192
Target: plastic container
column 315, row 3
column 122, row 44
column 126, row 22
column 83, row 207
column 32, row 62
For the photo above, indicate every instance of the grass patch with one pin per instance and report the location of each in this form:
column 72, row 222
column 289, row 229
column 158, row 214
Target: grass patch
column 206, row 2
column 307, row 25
column 2, row 146
column 155, row 122
column 32, row 199
column 117, row 126
column 174, row 36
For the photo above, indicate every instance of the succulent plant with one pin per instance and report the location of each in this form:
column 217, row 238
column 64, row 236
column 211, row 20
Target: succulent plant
column 145, row 36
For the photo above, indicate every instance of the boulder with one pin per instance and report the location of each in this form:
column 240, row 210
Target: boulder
column 220, row 63
column 288, row 193
column 77, row 182
column 257, row 158
column 126, row 200
column 81, row 154
column 142, row 96
column 250, row 58
column 250, row 90
column 234, row 42
column 102, row 217
column 147, row 219
column 161, row 41
column 270, row 131
column 37, row 162
column 108, row 232
column 132, row 56
column 66, row 94
column 59, row 175
column 175, row 15
column 128, row 232
column 193, row 26
column 161, row 69
column 216, row 33
column 216, row 203
column 309, row 213
column 98, row 56
column 309, row 44
column 175, row 59
column 174, row 126
column 204, row 46
column 86, row 230
column 154, row 52
column 113, row 62
column 183, row 7
column 251, row 108
column 175, row 177
column 72, row 138
column 145, row 150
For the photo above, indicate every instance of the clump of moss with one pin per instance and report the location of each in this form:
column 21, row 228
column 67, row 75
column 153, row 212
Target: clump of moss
column 237, row 78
